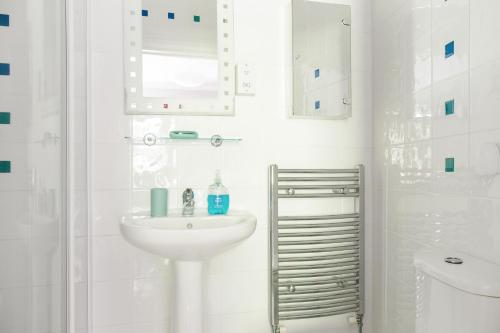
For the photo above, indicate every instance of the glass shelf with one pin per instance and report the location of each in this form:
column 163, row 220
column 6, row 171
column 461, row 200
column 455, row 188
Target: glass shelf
column 151, row 140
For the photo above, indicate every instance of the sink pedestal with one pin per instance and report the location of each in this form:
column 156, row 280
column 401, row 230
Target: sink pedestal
column 188, row 297
column 188, row 241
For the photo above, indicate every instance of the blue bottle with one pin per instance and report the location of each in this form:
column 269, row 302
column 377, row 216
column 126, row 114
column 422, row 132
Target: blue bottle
column 218, row 197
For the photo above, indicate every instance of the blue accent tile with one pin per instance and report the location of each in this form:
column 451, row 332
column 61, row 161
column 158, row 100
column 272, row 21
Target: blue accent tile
column 5, row 167
column 449, row 107
column 4, row 20
column 171, row 16
column 317, row 105
column 4, row 118
column 449, row 164
column 449, row 49
column 316, row 73
column 4, row 69
column 145, row 12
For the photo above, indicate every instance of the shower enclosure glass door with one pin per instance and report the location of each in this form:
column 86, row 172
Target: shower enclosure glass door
column 33, row 216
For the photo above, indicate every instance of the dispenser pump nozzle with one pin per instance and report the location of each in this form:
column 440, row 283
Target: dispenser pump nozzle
column 218, row 179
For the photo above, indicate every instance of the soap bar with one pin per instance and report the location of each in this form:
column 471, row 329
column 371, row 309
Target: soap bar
column 183, row 135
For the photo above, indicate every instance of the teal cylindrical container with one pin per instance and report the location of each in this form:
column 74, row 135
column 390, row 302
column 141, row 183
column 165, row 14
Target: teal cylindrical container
column 159, row 202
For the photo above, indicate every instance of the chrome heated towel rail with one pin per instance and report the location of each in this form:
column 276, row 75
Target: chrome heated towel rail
column 316, row 259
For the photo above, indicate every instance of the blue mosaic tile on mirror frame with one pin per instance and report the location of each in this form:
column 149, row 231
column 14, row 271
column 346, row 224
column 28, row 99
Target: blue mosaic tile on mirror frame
column 171, row 15
column 5, row 69
column 317, row 105
column 145, row 12
column 4, row 20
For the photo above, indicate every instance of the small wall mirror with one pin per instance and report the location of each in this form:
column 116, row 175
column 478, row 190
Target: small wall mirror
column 321, row 59
column 179, row 57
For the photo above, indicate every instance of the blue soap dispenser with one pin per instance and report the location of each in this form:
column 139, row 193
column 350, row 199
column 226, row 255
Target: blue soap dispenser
column 218, row 197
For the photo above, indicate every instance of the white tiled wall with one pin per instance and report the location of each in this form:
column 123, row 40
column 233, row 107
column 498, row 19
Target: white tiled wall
column 422, row 206
column 130, row 287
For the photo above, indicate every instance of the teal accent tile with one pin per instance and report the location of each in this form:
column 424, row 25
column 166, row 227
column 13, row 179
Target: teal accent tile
column 5, row 166
column 449, row 164
column 4, row 118
column 449, row 107
column 197, row 18
column 449, row 49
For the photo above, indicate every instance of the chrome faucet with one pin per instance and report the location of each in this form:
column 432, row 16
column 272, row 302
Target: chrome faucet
column 188, row 202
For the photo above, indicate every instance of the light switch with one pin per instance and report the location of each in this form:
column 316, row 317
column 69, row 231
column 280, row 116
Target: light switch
column 245, row 79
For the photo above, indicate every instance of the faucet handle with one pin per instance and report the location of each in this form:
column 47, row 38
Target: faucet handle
column 187, row 195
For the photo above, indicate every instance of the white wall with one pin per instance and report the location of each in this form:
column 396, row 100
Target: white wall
column 130, row 287
column 419, row 205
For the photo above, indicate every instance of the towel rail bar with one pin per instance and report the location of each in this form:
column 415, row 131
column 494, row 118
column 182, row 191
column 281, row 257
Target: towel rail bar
column 319, row 249
column 318, row 187
column 288, row 276
column 320, row 241
column 318, row 314
column 318, row 258
column 317, row 179
column 332, row 280
column 317, row 195
column 320, row 266
column 320, row 233
column 344, row 289
column 325, row 305
column 318, row 217
column 354, row 223
column 346, row 280
column 318, row 171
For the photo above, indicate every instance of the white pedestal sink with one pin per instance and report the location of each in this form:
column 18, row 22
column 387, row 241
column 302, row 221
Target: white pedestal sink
column 188, row 242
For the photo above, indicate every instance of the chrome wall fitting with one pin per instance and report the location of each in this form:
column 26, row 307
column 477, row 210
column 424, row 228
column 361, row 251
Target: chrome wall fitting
column 216, row 140
column 453, row 261
column 150, row 139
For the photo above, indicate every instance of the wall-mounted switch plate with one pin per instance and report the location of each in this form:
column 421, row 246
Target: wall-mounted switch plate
column 245, row 78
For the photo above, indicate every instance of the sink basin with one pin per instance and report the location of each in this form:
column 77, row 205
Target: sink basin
column 188, row 241
column 189, row 238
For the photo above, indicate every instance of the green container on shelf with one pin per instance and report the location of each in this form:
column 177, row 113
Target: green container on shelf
column 186, row 135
